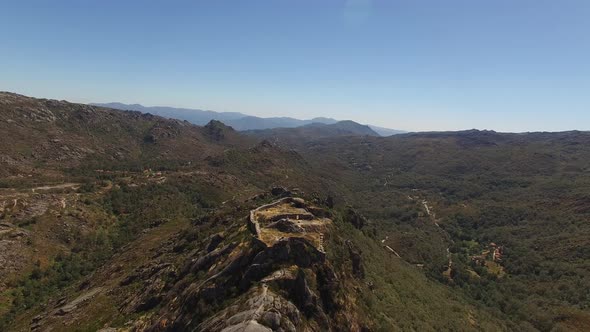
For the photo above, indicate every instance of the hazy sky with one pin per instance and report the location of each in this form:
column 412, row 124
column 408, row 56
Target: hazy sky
column 507, row 65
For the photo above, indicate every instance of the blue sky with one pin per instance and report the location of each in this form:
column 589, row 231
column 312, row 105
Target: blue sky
column 507, row 65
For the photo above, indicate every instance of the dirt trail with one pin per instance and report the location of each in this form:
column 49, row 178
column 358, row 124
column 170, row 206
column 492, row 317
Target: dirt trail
column 389, row 248
column 57, row 186
column 393, row 251
column 432, row 216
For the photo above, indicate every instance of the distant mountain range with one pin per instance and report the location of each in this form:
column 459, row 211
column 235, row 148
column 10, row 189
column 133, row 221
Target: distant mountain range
column 238, row 121
column 292, row 137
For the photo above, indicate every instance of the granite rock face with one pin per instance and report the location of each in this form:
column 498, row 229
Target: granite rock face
column 272, row 278
column 283, row 283
column 259, row 310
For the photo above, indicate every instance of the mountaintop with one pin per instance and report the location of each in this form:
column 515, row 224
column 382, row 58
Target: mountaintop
column 293, row 137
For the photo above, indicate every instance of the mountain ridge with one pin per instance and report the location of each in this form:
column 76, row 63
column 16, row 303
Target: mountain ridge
column 295, row 137
column 238, row 121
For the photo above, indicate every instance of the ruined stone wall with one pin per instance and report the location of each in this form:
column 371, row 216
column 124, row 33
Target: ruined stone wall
column 253, row 222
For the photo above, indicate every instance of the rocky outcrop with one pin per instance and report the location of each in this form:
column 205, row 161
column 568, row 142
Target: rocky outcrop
column 154, row 282
column 258, row 310
column 162, row 130
column 283, row 284
column 65, row 308
column 215, row 240
column 355, row 218
column 204, row 262
column 357, row 261
column 280, row 192
column 231, row 280
column 294, row 250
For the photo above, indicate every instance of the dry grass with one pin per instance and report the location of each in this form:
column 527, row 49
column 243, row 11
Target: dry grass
column 313, row 228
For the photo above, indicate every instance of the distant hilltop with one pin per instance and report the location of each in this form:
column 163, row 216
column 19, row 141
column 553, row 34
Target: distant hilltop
column 238, row 121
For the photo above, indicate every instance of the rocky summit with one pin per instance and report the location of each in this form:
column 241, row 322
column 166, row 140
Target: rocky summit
column 269, row 273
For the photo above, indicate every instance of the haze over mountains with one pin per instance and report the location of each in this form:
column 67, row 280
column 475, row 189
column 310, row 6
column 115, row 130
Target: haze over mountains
column 238, row 121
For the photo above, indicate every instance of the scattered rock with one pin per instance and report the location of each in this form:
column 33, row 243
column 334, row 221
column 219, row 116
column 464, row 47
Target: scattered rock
column 76, row 303
column 214, row 241
column 287, row 226
column 280, row 192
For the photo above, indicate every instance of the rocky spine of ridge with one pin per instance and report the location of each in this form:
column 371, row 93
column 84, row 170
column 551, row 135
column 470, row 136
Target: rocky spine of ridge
column 268, row 271
column 282, row 277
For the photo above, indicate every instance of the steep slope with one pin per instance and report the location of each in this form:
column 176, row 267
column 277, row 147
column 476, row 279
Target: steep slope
column 511, row 210
column 61, row 135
